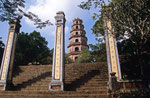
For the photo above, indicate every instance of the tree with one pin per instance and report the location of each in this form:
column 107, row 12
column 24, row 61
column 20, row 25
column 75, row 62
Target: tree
column 67, row 59
column 1, row 44
column 1, row 50
column 130, row 20
column 135, row 22
column 84, row 57
column 129, row 65
column 98, row 52
column 32, row 48
column 12, row 9
column 48, row 59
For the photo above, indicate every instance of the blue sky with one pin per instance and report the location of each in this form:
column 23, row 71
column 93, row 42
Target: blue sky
column 46, row 9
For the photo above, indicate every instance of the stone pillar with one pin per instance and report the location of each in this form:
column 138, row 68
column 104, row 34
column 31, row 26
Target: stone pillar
column 8, row 57
column 113, row 82
column 57, row 82
column 111, row 46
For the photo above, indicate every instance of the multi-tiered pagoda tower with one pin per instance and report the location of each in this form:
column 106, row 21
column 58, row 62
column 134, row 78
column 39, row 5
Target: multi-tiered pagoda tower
column 77, row 40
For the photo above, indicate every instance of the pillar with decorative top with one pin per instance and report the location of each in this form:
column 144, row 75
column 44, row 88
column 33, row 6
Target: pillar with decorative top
column 57, row 83
column 111, row 45
column 8, row 57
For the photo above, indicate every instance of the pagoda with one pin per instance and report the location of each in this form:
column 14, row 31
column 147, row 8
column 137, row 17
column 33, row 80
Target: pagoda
column 77, row 40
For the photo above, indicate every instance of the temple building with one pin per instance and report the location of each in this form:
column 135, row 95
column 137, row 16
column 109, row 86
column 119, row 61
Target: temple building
column 77, row 40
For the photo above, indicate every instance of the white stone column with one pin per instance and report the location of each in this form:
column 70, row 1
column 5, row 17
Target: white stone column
column 57, row 82
column 112, row 51
column 8, row 57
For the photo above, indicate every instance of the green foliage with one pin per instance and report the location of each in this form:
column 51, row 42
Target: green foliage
column 129, row 65
column 132, row 19
column 129, row 18
column 1, row 44
column 98, row 52
column 32, row 48
column 126, row 48
column 92, row 3
column 131, row 24
column 84, row 57
column 8, row 9
column 13, row 9
column 1, row 50
column 98, row 28
column 67, row 59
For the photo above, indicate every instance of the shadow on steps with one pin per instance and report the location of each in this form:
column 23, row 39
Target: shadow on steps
column 17, row 71
column 80, row 81
column 31, row 81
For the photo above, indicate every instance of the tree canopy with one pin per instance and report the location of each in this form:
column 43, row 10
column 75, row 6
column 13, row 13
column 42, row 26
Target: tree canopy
column 131, row 25
column 1, row 50
column 96, row 53
column 129, row 18
column 67, row 59
column 1, row 44
column 12, row 9
column 84, row 57
column 32, row 48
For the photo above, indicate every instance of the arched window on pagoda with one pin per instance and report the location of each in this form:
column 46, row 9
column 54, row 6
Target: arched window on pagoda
column 76, row 27
column 76, row 40
column 76, row 58
column 76, row 33
column 76, row 49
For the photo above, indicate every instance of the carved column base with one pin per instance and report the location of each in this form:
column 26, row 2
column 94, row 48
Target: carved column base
column 113, row 82
column 56, row 86
column 2, row 85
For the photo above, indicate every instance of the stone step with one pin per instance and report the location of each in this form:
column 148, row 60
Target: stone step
column 81, row 86
column 35, row 88
column 85, row 84
column 43, row 92
column 83, row 80
column 35, row 78
column 66, row 79
column 57, row 96
column 40, row 82
column 66, row 93
column 38, row 66
column 32, row 73
column 77, row 87
column 90, row 81
column 70, row 75
column 94, row 87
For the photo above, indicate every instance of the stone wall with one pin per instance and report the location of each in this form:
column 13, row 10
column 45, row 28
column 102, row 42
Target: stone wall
column 127, row 86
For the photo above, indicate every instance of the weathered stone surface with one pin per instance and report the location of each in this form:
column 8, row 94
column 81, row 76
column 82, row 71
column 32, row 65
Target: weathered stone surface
column 82, row 80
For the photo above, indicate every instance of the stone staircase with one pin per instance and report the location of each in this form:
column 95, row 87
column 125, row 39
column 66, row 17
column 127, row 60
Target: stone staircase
column 81, row 80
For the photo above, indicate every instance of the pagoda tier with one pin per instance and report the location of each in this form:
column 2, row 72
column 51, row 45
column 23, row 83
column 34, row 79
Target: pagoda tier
column 77, row 40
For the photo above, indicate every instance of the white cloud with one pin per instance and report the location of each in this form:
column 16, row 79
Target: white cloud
column 46, row 9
